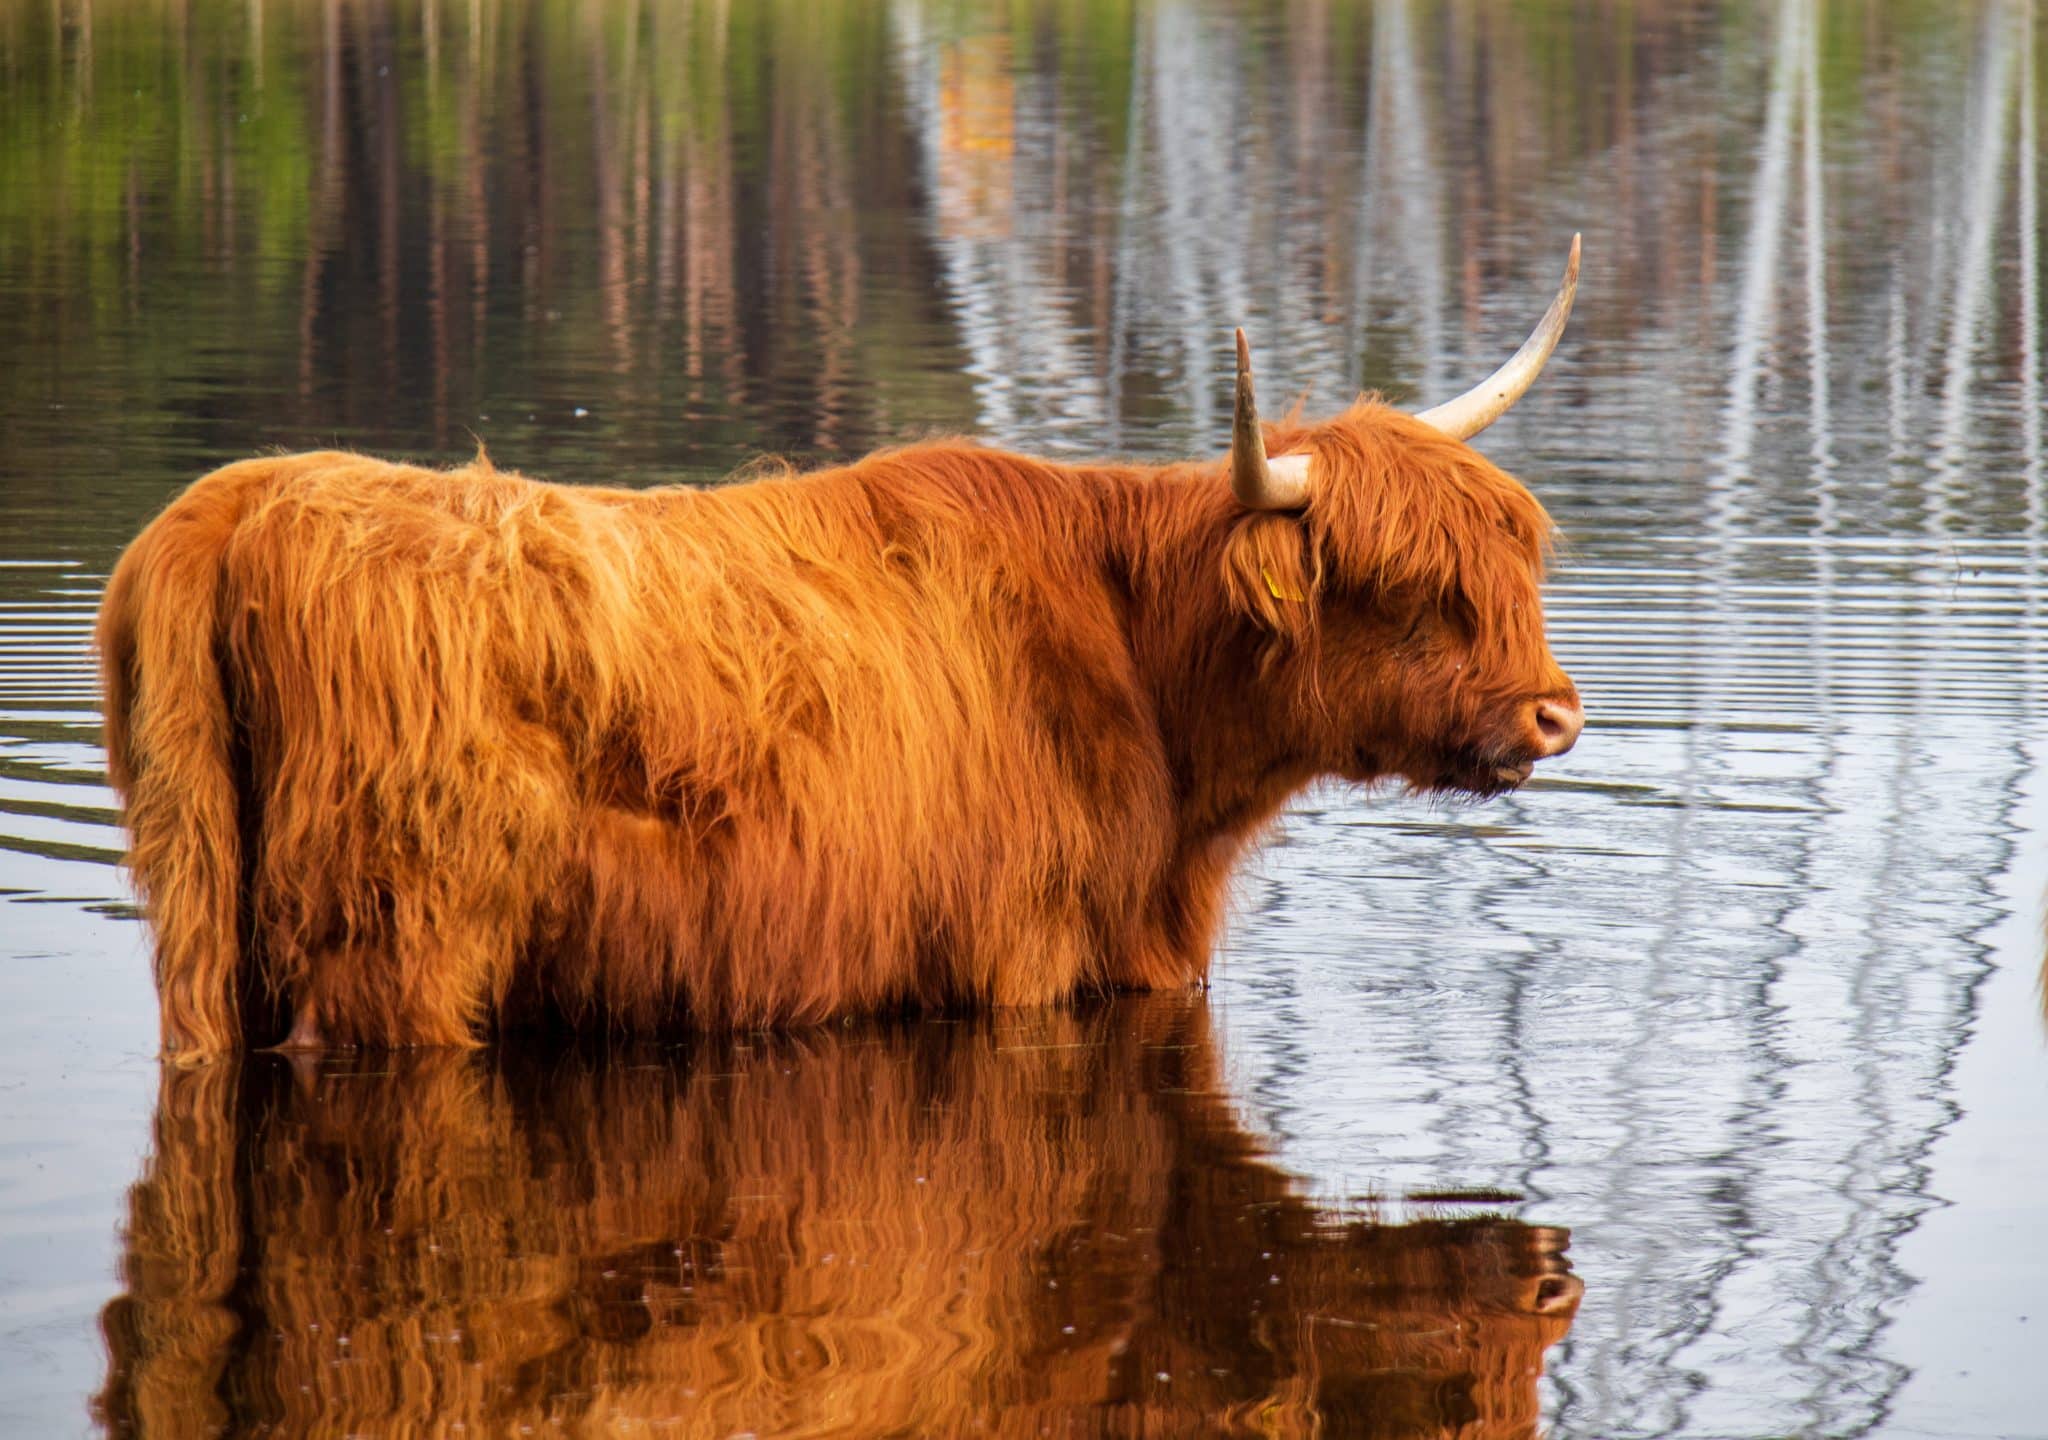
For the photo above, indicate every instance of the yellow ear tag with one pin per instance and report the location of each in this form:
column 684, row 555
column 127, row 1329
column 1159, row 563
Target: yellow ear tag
column 1276, row 589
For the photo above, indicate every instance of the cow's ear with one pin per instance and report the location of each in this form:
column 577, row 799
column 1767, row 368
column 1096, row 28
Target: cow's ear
column 1268, row 575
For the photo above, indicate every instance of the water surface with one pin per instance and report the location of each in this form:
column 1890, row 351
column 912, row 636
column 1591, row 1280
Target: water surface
column 1739, row 999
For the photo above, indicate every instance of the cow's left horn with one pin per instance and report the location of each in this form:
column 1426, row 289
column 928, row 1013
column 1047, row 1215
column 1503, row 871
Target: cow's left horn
column 1486, row 402
column 1259, row 483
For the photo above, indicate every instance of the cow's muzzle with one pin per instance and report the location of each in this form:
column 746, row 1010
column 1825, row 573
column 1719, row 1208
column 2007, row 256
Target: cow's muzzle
column 1558, row 722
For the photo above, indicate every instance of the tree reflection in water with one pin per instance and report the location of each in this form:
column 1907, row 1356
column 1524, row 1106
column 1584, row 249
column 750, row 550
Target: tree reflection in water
column 1037, row 1223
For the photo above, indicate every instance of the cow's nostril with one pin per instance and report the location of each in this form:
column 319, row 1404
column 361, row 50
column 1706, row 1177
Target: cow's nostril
column 1559, row 722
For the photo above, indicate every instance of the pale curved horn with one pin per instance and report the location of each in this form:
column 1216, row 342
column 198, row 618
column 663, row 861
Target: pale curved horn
column 1258, row 483
column 1487, row 401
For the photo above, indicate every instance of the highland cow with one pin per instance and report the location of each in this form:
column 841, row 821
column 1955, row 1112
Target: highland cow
column 409, row 755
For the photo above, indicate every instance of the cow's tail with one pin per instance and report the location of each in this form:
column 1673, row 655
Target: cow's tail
column 169, row 739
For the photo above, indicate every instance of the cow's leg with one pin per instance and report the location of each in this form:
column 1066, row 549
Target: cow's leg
column 397, row 990
column 413, row 989
column 415, row 959
column 1166, row 945
column 628, row 924
column 1155, row 965
column 305, row 1032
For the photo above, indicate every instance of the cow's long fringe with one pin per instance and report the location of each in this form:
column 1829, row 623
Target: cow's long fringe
column 945, row 726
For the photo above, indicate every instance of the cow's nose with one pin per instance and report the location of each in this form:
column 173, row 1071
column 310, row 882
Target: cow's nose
column 1558, row 1293
column 1559, row 723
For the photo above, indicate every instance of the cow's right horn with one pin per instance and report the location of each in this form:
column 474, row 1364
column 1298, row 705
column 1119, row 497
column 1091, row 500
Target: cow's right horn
column 1259, row 483
column 1487, row 401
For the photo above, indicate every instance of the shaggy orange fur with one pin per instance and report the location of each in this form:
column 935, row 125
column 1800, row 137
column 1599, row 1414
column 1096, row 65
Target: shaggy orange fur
column 408, row 754
column 1011, row 1226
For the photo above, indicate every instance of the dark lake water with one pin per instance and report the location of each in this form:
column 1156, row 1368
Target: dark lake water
column 1732, row 1017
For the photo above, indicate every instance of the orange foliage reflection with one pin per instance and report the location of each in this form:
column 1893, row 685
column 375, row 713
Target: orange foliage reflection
column 1040, row 1223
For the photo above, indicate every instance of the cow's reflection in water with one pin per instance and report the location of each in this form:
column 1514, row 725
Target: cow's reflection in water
column 1024, row 1224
